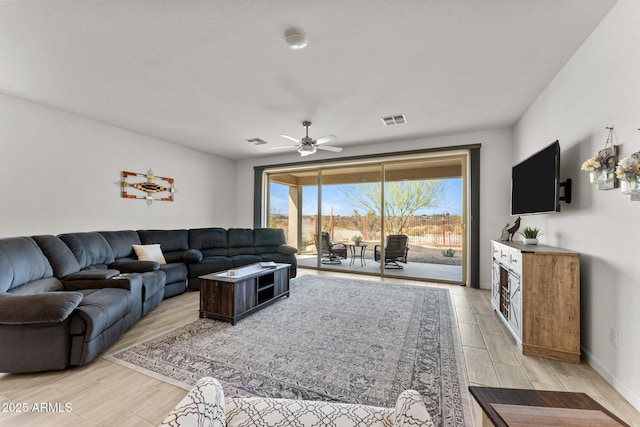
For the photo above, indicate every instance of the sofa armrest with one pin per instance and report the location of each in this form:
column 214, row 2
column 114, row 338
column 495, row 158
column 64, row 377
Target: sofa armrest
column 192, row 256
column 411, row 411
column 129, row 281
column 203, row 405
column 46, row 307
column 287, row 249
column 134, row 266
column 91, row 275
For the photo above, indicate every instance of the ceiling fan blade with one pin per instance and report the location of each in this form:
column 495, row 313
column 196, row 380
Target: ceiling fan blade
column 284, row 146
column 291, row 138
column 329, row 148
column 327, row 138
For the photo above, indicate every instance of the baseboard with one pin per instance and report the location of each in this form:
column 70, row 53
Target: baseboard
column 628, row 394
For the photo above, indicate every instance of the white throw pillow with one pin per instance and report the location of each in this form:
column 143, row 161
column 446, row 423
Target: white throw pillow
column 150, row 253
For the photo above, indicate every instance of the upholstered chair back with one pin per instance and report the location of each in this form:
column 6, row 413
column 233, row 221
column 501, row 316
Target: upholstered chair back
column 241, row 241
column 21, row 262
column 210, row 241
column 122, row 242
column 90, row 249
column 174, row 243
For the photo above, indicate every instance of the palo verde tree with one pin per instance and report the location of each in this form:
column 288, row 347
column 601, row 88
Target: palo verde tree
column 401, row 200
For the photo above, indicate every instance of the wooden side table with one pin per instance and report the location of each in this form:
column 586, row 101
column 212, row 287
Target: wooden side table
column 486, row 399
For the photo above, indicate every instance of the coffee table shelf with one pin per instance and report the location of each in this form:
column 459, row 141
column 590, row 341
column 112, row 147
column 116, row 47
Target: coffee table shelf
column 230, row 298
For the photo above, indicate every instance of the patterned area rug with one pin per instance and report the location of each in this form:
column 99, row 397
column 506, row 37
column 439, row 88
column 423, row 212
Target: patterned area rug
column 333, row 339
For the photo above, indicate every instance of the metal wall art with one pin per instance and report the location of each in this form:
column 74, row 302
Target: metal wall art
column 149, row 190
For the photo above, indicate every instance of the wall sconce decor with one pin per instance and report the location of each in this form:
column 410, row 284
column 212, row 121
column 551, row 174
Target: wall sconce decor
column 162, row 191
column 602, row 167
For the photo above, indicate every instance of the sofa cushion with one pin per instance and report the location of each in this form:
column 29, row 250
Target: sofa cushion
column 172, row 242
column 100, row 308
column 149, row 253
column 266, row 239
column 89, row 248
column 122, row 242
column 210, row 241
column 277, row 257
column 92, row 274
column 242, row 260
column 211, row 264
column 125, row 265
column 153, row 288
column 176, row 271
column 59, row 255
column 46, row 307
column 48, row 284
column 21, row 261
column 240, row 242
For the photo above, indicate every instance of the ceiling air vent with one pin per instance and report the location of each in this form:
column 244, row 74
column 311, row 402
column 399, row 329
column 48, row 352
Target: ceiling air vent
column 256, row 141
column 397, row 119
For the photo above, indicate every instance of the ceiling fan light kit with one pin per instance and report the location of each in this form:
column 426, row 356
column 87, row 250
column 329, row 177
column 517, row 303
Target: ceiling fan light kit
column 306, row 150
column 307, row 146
column 295, row 38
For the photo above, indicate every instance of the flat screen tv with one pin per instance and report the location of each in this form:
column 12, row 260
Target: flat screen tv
column 535, row 182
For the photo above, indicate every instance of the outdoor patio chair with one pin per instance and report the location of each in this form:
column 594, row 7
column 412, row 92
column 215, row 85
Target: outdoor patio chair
column 396, row 248
column 331, row 253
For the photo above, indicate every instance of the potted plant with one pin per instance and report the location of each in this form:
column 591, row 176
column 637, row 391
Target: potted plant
column 530, row 235
column 357, row 239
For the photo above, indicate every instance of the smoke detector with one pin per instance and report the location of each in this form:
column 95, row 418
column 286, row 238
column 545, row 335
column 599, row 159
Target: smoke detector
column 295, row 38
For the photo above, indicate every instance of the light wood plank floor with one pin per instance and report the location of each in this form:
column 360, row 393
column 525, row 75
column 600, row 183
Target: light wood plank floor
column 106, row 394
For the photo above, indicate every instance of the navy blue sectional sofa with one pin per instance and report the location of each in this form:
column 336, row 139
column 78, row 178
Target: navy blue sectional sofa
column 65, row 299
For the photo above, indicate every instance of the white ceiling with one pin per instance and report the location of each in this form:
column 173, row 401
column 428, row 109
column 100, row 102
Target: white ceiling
column 210, row 74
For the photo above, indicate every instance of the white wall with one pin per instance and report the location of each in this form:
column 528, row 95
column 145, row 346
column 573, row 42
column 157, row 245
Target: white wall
column 598, row 87
column 495, row 175
column 61, row 173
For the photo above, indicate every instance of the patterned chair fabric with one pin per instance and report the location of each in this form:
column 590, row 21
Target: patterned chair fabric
column 205, row 405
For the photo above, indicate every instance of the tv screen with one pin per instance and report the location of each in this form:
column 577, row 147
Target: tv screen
column 535, row 182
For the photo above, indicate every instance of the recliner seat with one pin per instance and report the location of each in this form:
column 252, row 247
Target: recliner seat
column 46, row 324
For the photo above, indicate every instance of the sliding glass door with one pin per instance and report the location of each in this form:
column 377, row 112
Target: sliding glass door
column 351, row 223
column 402, row 217
column 424, row 219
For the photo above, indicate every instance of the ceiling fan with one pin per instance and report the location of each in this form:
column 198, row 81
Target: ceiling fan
column 307, row 146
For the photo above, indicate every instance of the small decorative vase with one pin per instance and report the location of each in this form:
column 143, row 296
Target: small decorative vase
column 627, row 185
column 530, row 241
column 595, row 176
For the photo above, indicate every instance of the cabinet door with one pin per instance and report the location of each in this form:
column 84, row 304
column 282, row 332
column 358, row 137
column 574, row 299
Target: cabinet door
column 495, row 285
column 515, row 304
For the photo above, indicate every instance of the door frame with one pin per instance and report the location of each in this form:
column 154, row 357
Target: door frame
column 472, row 188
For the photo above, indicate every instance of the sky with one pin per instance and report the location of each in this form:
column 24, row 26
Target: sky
column 333, row 196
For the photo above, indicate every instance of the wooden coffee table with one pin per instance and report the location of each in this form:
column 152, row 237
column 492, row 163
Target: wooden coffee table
column 230, row 298
column 568, row 407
